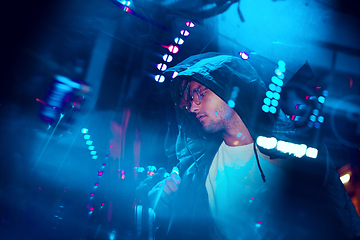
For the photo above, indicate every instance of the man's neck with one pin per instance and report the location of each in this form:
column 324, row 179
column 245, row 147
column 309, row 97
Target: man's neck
column 236, row 133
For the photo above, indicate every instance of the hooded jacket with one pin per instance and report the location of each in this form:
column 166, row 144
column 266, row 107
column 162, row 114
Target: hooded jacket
column 301, row 200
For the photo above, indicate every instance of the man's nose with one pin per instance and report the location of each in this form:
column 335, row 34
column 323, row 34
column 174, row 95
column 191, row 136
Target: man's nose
column 194, row 107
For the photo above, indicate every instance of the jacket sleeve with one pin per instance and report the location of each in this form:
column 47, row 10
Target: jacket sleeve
column 339, row 202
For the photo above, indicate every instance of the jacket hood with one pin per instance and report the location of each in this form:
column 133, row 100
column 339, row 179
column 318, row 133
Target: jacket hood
column 237, row 83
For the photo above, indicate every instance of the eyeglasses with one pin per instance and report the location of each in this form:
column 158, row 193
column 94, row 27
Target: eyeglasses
column 193, row 96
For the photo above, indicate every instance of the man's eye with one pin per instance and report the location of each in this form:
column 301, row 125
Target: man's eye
column 202, row 92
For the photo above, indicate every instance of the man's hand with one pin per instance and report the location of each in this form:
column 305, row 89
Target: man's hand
column 164, row 192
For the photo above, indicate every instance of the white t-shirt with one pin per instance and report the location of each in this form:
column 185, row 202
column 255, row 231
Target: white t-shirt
column 232, row 184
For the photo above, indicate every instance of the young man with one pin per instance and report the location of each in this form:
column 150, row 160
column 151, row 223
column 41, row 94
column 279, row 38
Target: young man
column 232, row 190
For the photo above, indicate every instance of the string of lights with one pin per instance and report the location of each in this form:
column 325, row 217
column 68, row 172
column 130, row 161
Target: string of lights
column 173, row 49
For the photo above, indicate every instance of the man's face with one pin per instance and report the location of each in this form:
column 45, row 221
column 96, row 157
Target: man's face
column 212, row 112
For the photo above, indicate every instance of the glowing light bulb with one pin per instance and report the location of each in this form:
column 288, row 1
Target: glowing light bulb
column 190, row 24
column 175, row 74
column 277, row 81
column 274, row 102
column 179, row 41
column 231, row 103
column 267, row 143
column 159, row 78
column 281, row 63
column 167, row 58
column 276, row 95
column 267, row 101
column 272, row 87
column 269, row 94
column 84, row 130
column 184, row 33
column 244, row 55
column 161, row 66
column 321, row 119
column 311, row 152
column 265, row 108
column 273, row 109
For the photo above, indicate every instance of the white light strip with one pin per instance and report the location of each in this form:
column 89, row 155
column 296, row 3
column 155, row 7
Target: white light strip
column 298, row 150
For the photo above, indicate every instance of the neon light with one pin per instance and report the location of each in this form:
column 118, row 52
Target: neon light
column 311, row 152
column 100, row 173
column 167, row 58
column 272, row 87
column 190, row 24
column 91, row 148
column 179, row 41
column 274, row 102
column 276, row 96
column 231, row 103
column 282, row 69
column 93, row 152
column 265, row 108
column 173, row 49
column 95, row 157
column 345, row 178
column 162, row 66
column 321, row 99
column 269, row 94
column 325, row 93
column 315, row 112
column 278, row 89
column 175, row 74
column 244, row 55
column 159, row 78
column 84, row 130
column 281, row 63
column 321, row 119
column 267, row 143
column 312, row 118
column 184, row 33
column 295, row 149
column 267, row 101
column 127, row 9
column 86, row 136
column 277, row 81
column 89, row 142
column 273, row 109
